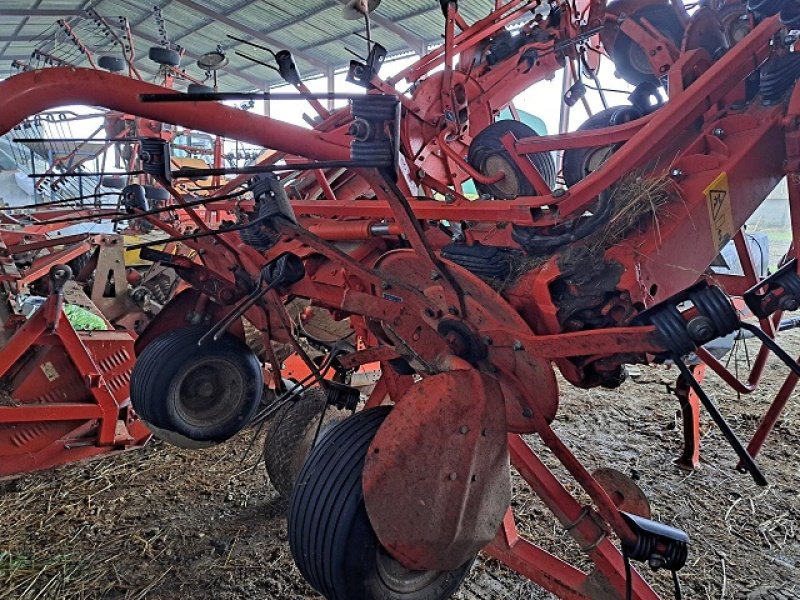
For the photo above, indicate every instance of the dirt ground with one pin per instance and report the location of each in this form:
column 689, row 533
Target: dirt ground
column 169, row 523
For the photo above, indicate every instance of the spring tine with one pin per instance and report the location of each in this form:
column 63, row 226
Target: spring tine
column 747, row 460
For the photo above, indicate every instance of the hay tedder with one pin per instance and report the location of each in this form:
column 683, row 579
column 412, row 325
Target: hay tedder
column 470, row 305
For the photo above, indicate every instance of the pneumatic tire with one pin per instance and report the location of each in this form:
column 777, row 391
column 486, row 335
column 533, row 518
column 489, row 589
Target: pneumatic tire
column 330, row 535
column 488, row 156
column 204, row 393
column 290, row 436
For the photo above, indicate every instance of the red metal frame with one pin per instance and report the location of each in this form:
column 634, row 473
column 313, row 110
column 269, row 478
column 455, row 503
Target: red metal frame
column 405, row 301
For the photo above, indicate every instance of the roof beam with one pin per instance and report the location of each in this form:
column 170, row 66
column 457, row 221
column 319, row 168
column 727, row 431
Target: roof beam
column 39, row 12
column 247, row 30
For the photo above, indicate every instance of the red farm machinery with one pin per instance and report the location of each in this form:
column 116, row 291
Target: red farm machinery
column 469, row 305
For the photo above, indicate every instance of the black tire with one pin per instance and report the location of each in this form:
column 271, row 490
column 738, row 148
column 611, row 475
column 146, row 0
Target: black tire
column 113, row 64
column 155, row 193
column 204, row 393
column 114, row 182
column 765, row 8
column 330, row 536
column 164, row 56
column 488, row 155
column 778, row 75
column 290, row 435
column 78, row 263
column 629, row 59
column 579, row 162
column 199, row 88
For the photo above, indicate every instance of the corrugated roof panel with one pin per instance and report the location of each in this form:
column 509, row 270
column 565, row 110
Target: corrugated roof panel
column 315, row 31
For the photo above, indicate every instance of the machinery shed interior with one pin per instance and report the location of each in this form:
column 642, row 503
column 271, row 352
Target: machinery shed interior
column 399, row 300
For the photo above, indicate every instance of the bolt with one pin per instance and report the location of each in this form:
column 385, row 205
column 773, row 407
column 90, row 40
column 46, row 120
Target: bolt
column 464, row 429
column 527, row 412
column 449, row 198
column 700, row 329
column 718, row 132
column 386, row 285
column 676, row 174
column 487, row 340
column 518, row 346
column 421, row 173
column 429, row 312
column 558, row 192
column 452, row 310
column 435, row 275
column 453, row 476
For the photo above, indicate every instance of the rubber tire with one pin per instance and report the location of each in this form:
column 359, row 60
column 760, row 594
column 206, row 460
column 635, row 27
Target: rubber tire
column 330, row 536
column 113, row 64
column 664, row 19
column 114, row 182
column 487, row 144
column 155, row 193
column 162, row 360
column 765, row 8
column 574, row 161
column 199, row 88
column 778, row 74
column 164, row 56
column 290, row 433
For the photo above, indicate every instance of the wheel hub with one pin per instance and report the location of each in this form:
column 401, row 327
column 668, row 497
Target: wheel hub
column 399, row 579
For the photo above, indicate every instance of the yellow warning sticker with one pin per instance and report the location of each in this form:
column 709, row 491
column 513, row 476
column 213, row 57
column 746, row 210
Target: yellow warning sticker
column 718, row 197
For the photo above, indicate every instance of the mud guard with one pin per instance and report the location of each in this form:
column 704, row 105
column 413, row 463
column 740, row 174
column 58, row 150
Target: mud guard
column 444, row 445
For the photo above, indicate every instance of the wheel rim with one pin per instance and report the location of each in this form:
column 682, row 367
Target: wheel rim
column 638, row 59
column 209, row 391
column 399, row 579
column 509, row 184
column 594, row 160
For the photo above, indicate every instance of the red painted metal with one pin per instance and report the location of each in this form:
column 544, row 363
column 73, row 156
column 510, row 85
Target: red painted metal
column 486, row 353
column 69, row 394
column 444, row 444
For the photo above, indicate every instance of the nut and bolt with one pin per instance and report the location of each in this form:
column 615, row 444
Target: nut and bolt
column 700, row 329
column 676, row 174
column 435, row 275
column 718, row 132
column 518, row 346
column 789, row 303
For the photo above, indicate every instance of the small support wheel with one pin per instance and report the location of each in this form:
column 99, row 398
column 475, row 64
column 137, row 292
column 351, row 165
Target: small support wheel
column 199, row 88
column 330, row 535
column 156, row 194
column 488, row 156
column 114, row 64
column 195, row 393
column 290, row 435
column 164, row 56
column 579, row 162
column 114, row 182
column 629, row 58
